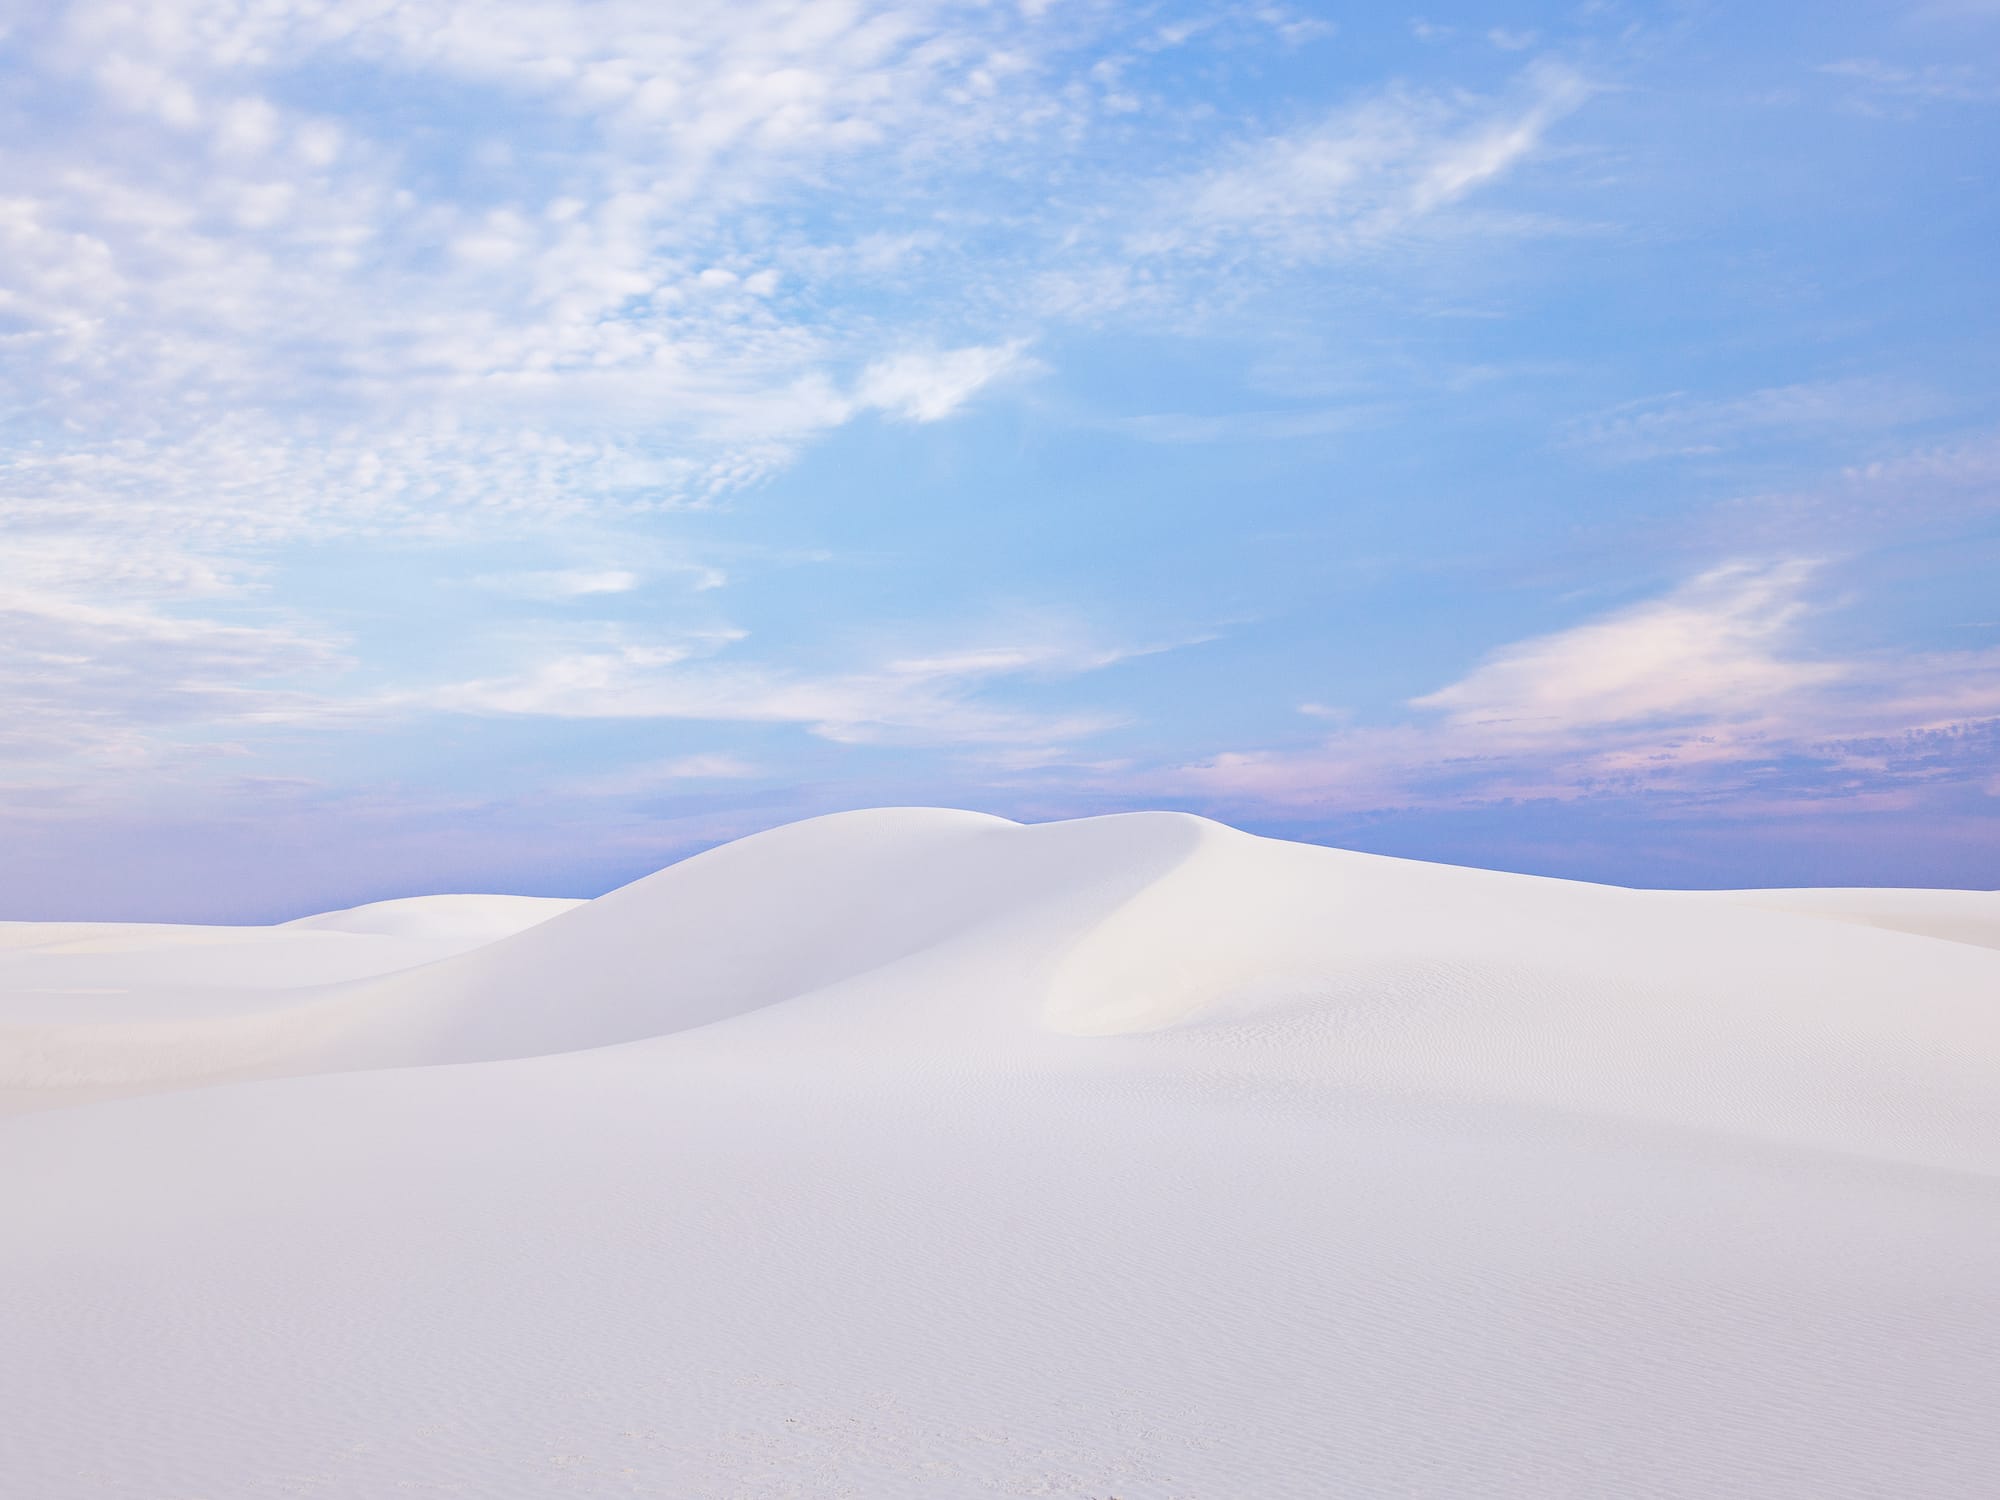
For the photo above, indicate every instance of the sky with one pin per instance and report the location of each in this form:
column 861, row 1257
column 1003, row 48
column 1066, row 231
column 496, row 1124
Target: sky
column 510, row 446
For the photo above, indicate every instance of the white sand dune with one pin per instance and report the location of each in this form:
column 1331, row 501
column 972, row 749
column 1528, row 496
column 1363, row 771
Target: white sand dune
column 1958, row 916
column 143, row 960
column 920, row 1153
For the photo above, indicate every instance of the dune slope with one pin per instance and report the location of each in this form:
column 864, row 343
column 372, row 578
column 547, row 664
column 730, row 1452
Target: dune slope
column 922, row 1153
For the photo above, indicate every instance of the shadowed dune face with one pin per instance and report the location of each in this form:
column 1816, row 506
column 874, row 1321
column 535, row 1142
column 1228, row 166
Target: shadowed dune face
column 767, row 919
column 776, row 917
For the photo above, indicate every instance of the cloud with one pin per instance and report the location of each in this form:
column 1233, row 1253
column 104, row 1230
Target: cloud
column 1682, row 425
column 1245, row 426
column 256, row 329
column 657, row 775
column 565, row 269
column 585, row 227
column 925, row 387
column 280, row 322
column 1902, row 495
column 1391, row 168
column 551, row 283
column 1295, row 30
column 113, row 688
column 1880, row 84
column 1367, row 172
column 558, row 584
column 1713, row 647
column 1709, row 695
column 922, row 699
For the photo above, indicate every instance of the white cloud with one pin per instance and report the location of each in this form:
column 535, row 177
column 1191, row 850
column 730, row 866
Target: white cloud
column 564, row 583
column 934, row 698
column 1709, row 692
column 114, row 687
column 1366, row 172
column 267, row 262
column 925, row 387
column 1717, row 647
column 1295, row 30
column 236, row 325
column 241, row 321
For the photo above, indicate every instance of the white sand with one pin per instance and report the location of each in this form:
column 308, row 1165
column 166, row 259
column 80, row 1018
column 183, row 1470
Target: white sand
column 922, row 1154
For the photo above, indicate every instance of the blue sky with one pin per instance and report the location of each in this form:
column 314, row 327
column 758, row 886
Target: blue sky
column 511, row 446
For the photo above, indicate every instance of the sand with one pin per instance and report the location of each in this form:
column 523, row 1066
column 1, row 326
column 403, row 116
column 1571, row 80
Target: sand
column 916, row 1153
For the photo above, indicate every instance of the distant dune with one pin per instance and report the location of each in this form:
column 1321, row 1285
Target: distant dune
column 916, row 1153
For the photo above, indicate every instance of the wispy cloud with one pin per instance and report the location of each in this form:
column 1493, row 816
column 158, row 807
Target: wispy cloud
column 531, row 284
column 938, row 698
column 1245, row 426
column 110, row 687
column 1681, row 424
column 1877, row 84
column 1367, row 172
column 376, row 310
column 1712, row 648
column 1710, row 694
column 564, row 583
column 373, row 364
column 674, row 772
column 1907, row 493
